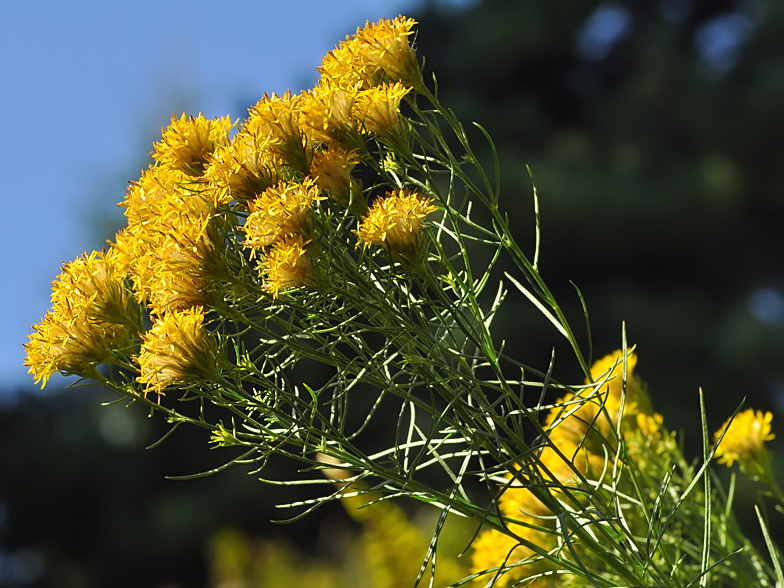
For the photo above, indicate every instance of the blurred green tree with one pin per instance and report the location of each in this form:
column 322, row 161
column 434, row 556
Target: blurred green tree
column 654, row 133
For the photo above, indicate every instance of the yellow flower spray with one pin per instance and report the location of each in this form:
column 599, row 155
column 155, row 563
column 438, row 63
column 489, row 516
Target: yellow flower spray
column 254, row 258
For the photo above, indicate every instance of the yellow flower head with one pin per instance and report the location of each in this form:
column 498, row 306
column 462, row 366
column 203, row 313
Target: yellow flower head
column 122, row 250
column 378, row 109
column 341, row 68
column 287, row 265
column 181, row 271
column 395, row 223
column 189, row 142
column 326, row 114
column 159, row 198
column 332, row 171
column 92, row 316
column 277, row 117
column 167, row 242
column 380, row 52
column 280, row 211
column 520, row 503
column 95, row 277
column 611, row 368
column 491, row 549
column 745, row 439
column 177, row 349
column 136, row 249
column 385, row 45
column 243, row 169
column 650, row 425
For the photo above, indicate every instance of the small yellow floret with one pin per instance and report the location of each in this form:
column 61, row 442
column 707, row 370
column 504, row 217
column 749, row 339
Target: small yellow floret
column 188, row 143
column 332, row 171
column 745, row 438
column 380, row 52
column 280, row 211
column 610, row 367
column 326, row 114
column 579, row 461
column 92, row 316
column 244, row 168
column 287, row 265
column 492, row 549
column 342, row 68
column 571, row 419
column 378, row 109
column 608, row 372
column 277, row 117
column 176, row 349
column 182, row 270
column 650, row 425
column 385, row 45
column 159, row 198
column 395, row 223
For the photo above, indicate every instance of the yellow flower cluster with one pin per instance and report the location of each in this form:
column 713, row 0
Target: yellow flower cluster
column 527, row 518
column 580, row 433
column 166, row 249
column 294, row 147
column 331, row 169
column 242, row 169
column 279, row 225
column 379, row 53
column 182, row 211
column 277, row 119
column 361, row 86
column 168, row 245
column 394, row 223
column 176, row 349
column 378, row 109
column 189, row 142
column 92, row 316
column 744, row 439
column 286, row 265
column 280, row 211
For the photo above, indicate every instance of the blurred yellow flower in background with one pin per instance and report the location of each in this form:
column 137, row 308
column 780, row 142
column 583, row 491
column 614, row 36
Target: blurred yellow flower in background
column 744, row 440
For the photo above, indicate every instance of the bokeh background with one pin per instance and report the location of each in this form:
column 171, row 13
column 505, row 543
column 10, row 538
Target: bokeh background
column 655, row 134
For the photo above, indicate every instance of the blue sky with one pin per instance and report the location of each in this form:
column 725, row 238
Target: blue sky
column 86, row 87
